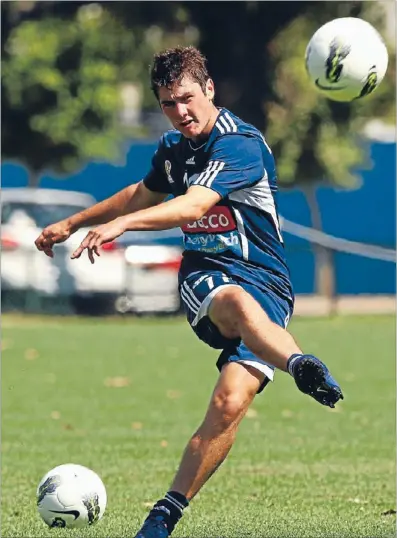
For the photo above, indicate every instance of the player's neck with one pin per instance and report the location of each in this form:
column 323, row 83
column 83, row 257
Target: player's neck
column 205, row 133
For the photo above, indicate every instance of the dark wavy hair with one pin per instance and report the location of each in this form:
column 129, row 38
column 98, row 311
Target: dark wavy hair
column 171, row 65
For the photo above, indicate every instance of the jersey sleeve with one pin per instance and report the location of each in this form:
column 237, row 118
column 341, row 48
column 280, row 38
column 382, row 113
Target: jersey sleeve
column 236, row 163
column 156, row 179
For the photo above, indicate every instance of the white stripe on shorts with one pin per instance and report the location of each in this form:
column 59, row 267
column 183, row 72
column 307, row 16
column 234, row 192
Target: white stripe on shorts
column 189, row 291
column 203, row 311
column 185, row 299
column 188, row 300
column 261, row 366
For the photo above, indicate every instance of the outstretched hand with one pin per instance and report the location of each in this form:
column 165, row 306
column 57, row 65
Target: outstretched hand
column 55, row 233
column 98, row 236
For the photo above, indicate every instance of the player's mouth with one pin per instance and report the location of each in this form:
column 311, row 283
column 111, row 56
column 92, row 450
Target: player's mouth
column 186, row 123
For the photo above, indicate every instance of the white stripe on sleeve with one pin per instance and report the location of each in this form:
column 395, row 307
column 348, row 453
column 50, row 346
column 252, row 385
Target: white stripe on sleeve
column 209, row 174
column 229, row 118
column 222, row 130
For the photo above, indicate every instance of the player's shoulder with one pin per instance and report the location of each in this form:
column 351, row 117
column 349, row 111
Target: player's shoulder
column 171, row 139
column 231, row 131
column 228, row 123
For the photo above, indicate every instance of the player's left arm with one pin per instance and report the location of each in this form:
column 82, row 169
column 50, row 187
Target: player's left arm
column 170, row 214
column 176, row 212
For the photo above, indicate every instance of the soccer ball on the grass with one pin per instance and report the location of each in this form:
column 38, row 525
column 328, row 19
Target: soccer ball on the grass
column 346, row 59
column 71, row 496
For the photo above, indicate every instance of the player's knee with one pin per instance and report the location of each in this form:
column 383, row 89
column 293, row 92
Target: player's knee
column 228, row 308
column 228, row 408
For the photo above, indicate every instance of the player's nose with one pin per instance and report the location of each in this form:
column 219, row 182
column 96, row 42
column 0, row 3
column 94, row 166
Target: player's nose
column 181, row 111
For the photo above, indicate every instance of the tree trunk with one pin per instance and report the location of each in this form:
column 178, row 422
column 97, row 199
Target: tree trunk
column 323, row 257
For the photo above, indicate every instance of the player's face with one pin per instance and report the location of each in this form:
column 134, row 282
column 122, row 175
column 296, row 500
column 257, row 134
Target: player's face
column 189, row 109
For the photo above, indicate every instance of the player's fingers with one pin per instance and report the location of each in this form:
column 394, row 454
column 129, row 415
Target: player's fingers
column 90, row 248
column 95, row 250
column 46, row 243
column 92, row 242
column 83, row 245
column 77, row 252
column 91, row 255
column 40, row 242
column 93, row 246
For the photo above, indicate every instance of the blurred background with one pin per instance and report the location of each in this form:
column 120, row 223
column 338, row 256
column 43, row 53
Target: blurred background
column 79, row 123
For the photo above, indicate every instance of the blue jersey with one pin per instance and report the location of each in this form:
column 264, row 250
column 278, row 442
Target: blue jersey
column 241, row 234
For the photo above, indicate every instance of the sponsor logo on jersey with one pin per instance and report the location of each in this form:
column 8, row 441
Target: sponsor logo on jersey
column 213, row 242
column 218, row 219
column 190, row 161
column 215, row 232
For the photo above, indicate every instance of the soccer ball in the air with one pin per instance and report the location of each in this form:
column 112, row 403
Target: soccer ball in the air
column 71, row 496
column 346, row 59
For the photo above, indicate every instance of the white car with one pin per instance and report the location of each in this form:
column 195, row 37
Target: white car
column 126, row 277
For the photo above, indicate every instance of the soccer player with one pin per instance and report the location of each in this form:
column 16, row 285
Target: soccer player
column 234, row 281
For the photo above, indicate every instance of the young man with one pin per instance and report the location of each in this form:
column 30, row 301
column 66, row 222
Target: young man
column 234, row 282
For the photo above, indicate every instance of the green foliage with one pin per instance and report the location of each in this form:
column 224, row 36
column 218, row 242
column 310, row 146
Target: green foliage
column 65, row 64
column 66, row 82
column 62, row 82
column 313, row 138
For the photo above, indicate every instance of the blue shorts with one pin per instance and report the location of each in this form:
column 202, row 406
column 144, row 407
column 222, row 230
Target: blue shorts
column 197, row 291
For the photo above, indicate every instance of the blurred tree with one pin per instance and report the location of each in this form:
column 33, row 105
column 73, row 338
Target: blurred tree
column 67, row 68
column 314, row 139
column 61, row 89
column 64, row 64
column 235, row 38
column 256, row 57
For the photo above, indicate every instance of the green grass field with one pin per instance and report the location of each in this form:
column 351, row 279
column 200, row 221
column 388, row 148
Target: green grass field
column 122, row 396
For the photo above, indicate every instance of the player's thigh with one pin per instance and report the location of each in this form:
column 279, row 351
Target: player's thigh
column 278, row 311
column 197, row 292
column 246, row 301
column 227, row 309
column 277, row 308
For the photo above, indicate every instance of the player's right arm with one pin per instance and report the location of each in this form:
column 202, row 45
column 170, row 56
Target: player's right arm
column 129, row 200
column 132, row 198
column 151, row 191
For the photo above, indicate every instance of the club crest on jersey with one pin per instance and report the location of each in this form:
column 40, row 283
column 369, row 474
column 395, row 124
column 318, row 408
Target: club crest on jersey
column 167, row 168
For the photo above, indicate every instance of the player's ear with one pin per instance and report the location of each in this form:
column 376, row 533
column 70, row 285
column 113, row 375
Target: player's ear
column 210, row 89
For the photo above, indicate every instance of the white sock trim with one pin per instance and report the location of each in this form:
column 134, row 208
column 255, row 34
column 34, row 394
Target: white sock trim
column 173, row 501
column 291, row 364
